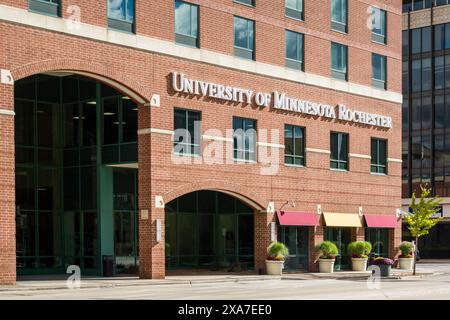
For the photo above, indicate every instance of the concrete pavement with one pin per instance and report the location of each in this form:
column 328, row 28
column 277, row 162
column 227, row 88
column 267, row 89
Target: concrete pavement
column 435, row 285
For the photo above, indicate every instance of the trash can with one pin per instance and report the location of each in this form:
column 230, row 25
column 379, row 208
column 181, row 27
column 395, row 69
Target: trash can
column 108, row 266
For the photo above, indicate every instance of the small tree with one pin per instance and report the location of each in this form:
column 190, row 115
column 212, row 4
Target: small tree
column 421, row 219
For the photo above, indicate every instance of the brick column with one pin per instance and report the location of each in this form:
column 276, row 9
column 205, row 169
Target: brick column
column 151, row 253
column 7, row 187
column 395, row 238
column 315, row 238
column 262, row 237
column 358, row 234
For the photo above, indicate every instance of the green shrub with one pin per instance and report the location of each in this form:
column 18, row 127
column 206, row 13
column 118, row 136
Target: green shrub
column 277, row 251
column 406, row 248
column 327, row 250
column 359, row 249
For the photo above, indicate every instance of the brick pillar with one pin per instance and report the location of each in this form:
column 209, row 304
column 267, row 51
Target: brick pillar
column 315, row 238
column 358, row 234
column 7, row 187
column 395, row 238
column 262, row 237
column 151, row 253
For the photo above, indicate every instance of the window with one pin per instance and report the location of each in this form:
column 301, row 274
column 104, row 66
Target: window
column 244, row 41
column 244, row 139
column 186, row 23
column 121, row 15
column 294, row 9
column 247, row 2
column 378, row 162
column 339, row 15
column 405, row 43
column 51, row 7
column 338, row 61
column 339, row 150
column 294, row 141
column 378, row 71
column 416, row 75
column 426, row 74
column 439, row 82
column 187, row 134
column 294, row 50
column 378, row 25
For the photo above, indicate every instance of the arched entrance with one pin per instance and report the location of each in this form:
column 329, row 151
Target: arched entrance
column 209, row 230
column 76, row 174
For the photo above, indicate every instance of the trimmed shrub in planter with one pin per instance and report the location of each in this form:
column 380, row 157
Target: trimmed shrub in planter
column 406, row 259
column 328, row 252
column 276, row 254
column 360, row 251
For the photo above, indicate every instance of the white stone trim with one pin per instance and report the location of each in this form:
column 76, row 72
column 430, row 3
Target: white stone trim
column 216, row 138
column 318, row 150
column 5, row 112
column 270, row 145
column 24, row 17
column 154, row 130
column 394, row 160
column 361, row 156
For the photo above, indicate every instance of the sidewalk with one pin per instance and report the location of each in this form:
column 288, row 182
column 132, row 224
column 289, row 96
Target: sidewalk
column 59, row 282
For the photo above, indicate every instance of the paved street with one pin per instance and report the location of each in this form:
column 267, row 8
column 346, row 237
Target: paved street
column 429, row 287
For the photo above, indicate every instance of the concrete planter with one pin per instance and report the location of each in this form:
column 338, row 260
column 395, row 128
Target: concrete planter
column 359, row 264
column 406, row 263
column 274, row 268
column 326, row 265
column 385, row 270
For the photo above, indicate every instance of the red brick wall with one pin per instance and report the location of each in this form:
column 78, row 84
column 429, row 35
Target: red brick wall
column 29, row 50
column 7, row 187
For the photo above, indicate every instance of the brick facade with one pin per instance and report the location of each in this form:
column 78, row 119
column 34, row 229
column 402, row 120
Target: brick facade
column 28, row 50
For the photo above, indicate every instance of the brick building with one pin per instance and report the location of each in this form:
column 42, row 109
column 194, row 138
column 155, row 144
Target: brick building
column 171, row 134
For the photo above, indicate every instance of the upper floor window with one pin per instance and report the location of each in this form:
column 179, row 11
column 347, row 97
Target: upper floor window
column 378, row 71
column 378, row 162
column 441, row 36
column 187, row 126
column 186, row 23
column 51, row 7
column 339, row 150
column 421, row 40
column 294, row 50
column 244, row 139
column 121, row 15
column 339, row 15
column 379, row 25
column 338, row 61
column 247, row 2
column 244, row 41
column 294, row 141
column 294, row 9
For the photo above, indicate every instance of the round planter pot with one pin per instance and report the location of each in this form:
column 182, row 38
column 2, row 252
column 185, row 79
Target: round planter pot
column 406, row 263
column 274, row 268
column 359, row 264
column 326, row 265
column 385, row 270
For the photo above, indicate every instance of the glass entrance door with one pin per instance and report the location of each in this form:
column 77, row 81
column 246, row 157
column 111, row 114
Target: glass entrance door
column 208, row 229
column 341, row 237
column 296, row 240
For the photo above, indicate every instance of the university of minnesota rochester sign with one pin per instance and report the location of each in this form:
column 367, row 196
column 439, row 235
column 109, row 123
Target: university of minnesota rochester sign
column 276, row 100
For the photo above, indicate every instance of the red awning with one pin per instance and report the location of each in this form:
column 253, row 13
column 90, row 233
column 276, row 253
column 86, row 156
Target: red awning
column 293, row 218
column 381, row 221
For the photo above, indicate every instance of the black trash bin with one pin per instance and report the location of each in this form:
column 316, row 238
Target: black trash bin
column 108, row 266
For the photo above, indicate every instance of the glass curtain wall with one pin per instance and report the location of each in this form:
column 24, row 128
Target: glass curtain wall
column 59, row 126
column 426, row 112
column 208, row 229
